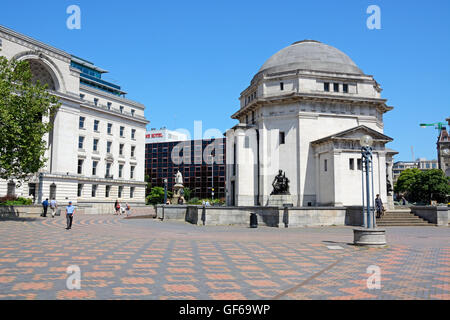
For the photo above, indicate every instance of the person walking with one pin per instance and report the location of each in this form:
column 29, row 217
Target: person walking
column 53, row 207
column 379, row 206
column 117, row 207
column 45, row 206
column 127, row 210
column 70, row 210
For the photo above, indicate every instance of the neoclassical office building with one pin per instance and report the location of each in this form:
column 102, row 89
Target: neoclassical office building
column 96, row 151
column 304, row 113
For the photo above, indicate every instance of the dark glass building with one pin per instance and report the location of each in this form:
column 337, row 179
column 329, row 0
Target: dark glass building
column 198, row 173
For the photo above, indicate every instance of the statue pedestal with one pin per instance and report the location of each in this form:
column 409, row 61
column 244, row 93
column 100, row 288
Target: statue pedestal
column 280, row 200
column 178, row 197
column 390, row 203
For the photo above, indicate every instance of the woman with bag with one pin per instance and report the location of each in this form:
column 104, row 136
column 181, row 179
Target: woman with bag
column 117, row 208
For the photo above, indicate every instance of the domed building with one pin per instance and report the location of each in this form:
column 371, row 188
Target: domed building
column 304, row 113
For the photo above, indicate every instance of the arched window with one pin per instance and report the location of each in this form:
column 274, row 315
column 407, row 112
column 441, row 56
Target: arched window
column 52, row 191
column 41, row 73
column 11, row 189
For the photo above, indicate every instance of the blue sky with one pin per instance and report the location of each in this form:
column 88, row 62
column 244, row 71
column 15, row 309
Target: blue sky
column 190, row 60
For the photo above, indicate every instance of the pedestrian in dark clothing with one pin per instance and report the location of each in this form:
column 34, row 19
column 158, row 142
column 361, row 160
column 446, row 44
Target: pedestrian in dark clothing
column 70, row 210
column 379, row 206
column 117, row 207
column 45, row 205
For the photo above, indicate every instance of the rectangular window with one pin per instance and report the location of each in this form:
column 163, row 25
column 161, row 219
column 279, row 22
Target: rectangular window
column 94, row 190
column 94, row 168
column 120, row 192
column 108, row 169
column 326, row 87
column 131, row 192
column 133, row 149
column 80, row 166
column 96, row 101
column 352, row 164
column 81, row 143
column 107, row 191
column 281, row 86
column 345, row 88
column 121, row 149
column 82, row 96
column 108, row 147
column 80, row 190
column 109, row 105
column 359, row 164
column 122, row 130
column 326, row 165
column 132, row 172
column 110, row 128
column 336, row 87
column 133, row 134
column 95, row 145
column 82, row 120
column 96, row 125
column 120, row 170
column 133, row 112
column 121, row 109
column 282, row 138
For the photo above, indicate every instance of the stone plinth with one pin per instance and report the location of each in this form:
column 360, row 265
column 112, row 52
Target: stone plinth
column 280, row 200
column 177, row 196
column 369, row 237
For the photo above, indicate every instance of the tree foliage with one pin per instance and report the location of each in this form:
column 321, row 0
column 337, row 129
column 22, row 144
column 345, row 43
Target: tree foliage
column 25, row 110
column 430, row 185
column 156, row 196
column 406, row 180
column 424, row 186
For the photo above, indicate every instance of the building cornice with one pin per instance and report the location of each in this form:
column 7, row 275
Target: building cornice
column 33, row 44
column 89, row 105
column 112, row 97
column 297, row 97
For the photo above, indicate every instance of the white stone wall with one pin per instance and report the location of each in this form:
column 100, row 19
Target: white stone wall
column 63, row 151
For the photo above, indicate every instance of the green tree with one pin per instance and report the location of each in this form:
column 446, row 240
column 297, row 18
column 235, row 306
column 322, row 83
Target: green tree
column 25, row 108
column 187, row 194
column 156, row 196
column 406, row 179
column 430, row 185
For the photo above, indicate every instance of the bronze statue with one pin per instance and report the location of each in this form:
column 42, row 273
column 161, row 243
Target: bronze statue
column 280, row 184
column 389, row 185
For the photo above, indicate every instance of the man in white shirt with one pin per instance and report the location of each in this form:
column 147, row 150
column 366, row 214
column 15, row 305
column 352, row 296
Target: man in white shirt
column 53, row 207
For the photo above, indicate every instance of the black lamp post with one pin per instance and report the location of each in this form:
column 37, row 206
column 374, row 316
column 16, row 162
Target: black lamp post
column 369, row 235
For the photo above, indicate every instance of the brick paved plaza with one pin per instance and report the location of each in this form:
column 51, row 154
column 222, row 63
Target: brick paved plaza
column 149, row 259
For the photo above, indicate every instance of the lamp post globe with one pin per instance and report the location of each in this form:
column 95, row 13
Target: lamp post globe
column 366, row 141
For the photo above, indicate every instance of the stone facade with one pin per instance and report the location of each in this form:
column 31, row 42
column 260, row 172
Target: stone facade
column 286, row 113
column 86, row 112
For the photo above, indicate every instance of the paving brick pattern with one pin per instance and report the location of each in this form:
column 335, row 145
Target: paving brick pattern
column 148, row 259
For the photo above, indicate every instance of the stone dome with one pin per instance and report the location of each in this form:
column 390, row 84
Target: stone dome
column 310, row 55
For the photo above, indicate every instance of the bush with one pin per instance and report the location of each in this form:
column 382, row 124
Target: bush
column 156, row 196
column 15, row 201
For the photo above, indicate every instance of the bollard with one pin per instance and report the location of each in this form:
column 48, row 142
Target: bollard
column 253, row 220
